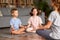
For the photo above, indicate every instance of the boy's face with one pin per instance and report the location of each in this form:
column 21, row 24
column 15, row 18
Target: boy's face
column 15, row 14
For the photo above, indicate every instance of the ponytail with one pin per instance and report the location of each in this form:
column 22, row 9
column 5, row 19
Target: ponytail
column 57, row 4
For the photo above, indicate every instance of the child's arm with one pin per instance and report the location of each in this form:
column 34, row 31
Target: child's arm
column 12, row 28
column 29, row 22
column 20, row 24
column 23, row 26
column 28, row 25
column 40, row 23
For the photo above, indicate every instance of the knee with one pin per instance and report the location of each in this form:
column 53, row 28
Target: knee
column 12, row 32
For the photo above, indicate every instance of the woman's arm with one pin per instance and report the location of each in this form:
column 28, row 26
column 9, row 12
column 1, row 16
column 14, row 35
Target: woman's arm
column 47, row 26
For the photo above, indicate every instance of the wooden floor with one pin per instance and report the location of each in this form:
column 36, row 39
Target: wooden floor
column 26, row 36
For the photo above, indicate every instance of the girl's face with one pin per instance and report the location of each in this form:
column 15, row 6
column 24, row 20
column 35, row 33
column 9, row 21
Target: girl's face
column 34, row 12
column 15, row 14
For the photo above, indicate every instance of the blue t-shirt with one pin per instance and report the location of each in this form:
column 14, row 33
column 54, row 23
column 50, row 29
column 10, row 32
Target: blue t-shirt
column 16, row 23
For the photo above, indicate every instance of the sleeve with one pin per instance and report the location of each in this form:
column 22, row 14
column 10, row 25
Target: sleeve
column 29, row 21
column 11, row 22
column 52, row 17
column 20, row 22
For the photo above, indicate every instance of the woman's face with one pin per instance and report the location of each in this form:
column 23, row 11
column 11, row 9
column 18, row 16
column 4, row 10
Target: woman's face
column 34, row 12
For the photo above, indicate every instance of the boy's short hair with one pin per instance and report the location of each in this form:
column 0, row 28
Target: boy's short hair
column 13, row 9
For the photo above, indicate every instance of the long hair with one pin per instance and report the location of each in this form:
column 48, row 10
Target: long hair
column 54, row 1
column 59, row 8
column 56, row 4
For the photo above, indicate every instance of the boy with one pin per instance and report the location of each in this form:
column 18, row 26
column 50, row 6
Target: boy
column 15, row 23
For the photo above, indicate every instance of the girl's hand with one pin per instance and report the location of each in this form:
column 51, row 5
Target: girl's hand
column 25, row 26
column 34, row 28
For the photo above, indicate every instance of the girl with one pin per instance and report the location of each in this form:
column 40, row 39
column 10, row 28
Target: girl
column 34, row 21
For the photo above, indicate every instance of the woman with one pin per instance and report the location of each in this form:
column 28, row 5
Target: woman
column 53, row 23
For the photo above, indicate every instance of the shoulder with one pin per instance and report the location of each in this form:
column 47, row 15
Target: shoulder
column 31, row 17
column 53, row 13
column 38, row 17
column 11, row 19
column 18, row 19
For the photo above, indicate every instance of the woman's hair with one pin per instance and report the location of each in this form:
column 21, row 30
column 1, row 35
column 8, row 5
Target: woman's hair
column 59, row 6
column 32, row 11
column 56, row 3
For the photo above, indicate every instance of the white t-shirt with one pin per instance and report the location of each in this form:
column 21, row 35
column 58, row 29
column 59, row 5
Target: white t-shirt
column 35, row 21
column 55, row 19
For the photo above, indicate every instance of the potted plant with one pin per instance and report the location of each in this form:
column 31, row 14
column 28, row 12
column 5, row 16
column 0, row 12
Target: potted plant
column 43, row 5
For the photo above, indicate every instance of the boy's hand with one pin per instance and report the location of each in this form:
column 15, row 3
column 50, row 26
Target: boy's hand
column 12, row 29
column 21, row 26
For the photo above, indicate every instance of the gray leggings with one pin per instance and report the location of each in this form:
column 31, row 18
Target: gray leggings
column 45, row 33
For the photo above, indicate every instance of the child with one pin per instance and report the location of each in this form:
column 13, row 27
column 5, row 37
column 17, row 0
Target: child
column 15, row 22
column 34, row 21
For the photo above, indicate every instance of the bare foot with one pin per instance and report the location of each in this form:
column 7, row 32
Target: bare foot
column 33, row 31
